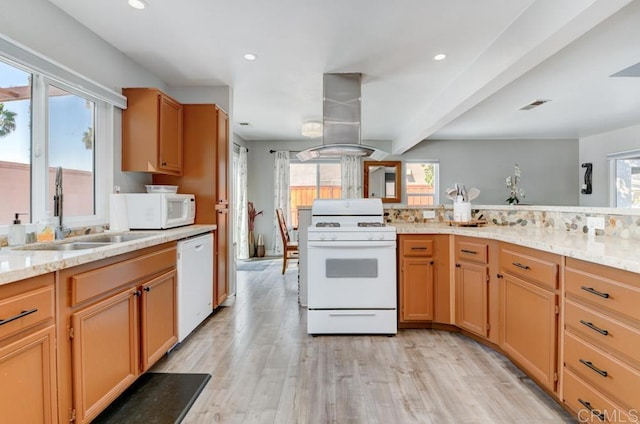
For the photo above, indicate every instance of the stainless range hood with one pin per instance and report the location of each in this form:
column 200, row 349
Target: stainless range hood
column 341, row 121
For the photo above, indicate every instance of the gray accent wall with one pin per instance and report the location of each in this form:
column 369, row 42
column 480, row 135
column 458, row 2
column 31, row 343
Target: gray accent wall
column 549, row 168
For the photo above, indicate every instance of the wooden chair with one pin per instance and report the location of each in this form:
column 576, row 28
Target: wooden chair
column 289, row 248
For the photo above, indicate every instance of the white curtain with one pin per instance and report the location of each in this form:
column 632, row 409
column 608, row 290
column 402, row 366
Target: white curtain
column 280, row 196
column 351, row 173
column 240, row 205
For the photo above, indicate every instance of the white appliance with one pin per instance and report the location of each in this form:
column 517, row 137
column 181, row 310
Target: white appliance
column 352, row 269
column 195, row 282
column 159, row 211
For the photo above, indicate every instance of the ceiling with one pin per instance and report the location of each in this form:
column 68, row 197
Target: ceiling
column 496, row 61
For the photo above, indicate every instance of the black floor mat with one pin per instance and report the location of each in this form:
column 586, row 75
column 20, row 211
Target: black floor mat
column 155, row 398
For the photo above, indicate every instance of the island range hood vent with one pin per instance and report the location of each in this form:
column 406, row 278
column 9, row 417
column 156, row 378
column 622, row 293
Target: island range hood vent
column 341, row 121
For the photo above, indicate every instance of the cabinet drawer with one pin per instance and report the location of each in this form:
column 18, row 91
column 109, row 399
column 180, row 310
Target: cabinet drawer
column 472, row 252
column 603, row 371
column 99, row 281
column 589, row 404
column 533, row 269
column 414, row 247
column 603, row 331
column 26, row 310
column 613, row 295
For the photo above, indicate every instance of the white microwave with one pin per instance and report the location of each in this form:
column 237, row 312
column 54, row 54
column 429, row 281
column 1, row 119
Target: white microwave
column 159, row 211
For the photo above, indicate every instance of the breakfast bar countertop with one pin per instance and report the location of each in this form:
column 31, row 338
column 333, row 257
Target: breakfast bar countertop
column 605, row 250
column 18, row 263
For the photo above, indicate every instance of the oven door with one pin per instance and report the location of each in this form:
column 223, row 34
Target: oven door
column 352, row 275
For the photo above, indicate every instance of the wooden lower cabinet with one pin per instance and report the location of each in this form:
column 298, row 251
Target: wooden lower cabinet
column 472, row 290
column 159, row 313
column 417, row 289
column 105, row 352
column 27, row 379
column 423, row 280
column 117, row 317
column 529, row 328
column 28, row 351
column 530, row 311
column 601, row 340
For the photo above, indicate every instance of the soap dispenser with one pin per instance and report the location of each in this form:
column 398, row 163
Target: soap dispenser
column 17, row 232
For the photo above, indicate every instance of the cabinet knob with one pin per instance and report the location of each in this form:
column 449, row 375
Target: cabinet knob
column 499, row 275
column 147, row 289
column 137, row 293
column 431, row 263
column 457, row 265
column 164, row 163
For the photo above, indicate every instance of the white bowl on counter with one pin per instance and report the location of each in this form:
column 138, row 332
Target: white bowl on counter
column 161, row 188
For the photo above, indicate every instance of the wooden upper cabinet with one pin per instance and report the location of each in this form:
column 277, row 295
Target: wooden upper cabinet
column 151, row 132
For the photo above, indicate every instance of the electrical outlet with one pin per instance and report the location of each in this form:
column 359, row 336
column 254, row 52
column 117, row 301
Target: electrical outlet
column 596, row 222
column 428, row 214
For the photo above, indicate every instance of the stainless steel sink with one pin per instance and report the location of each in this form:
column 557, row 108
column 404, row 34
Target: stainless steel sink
column 114, row 238
column 91, row 242
column 74, row 245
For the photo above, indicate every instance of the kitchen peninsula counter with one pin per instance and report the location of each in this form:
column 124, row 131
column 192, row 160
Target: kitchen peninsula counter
column 605, row 250
column 17, row 264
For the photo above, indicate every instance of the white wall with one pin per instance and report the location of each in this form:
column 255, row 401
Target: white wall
column 549, row 168
column 595, row 149
column 220, row 95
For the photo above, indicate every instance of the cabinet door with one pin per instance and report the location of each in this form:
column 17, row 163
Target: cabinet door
column 27, row 375
column 159, row 318
column 528, row 325
column 471, row 297
column 416, row 289
column 170, row 133
column 105, row 352
column 222, row 208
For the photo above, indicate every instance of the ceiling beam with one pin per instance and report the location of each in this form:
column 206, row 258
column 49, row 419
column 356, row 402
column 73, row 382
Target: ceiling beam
column 542, row 30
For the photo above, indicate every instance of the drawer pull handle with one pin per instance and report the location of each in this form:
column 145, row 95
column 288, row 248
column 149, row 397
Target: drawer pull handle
column 594, row 291
column 352, row 314
column 471, row 252
column 419, row 248
column 593, row 367
column 519, row 265
column 18, row 316
column 593, row 327
column 595, row 412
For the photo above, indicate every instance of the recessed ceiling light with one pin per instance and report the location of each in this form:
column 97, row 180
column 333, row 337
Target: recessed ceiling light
column 250, row 56
column 440, row 56
column 138, row 4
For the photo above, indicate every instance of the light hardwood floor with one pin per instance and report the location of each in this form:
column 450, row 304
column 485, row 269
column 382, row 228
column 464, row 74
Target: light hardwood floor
column 266, row 369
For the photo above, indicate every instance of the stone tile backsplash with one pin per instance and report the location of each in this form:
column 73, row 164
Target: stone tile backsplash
column 616, row 225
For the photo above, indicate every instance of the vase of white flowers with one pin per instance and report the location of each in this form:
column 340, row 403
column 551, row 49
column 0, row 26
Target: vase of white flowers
column 515, row 193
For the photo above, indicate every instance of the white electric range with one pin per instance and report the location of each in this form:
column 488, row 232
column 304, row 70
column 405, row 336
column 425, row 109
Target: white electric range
column 352, row 269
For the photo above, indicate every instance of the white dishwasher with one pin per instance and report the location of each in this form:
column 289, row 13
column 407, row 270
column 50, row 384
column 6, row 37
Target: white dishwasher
column 195, row 282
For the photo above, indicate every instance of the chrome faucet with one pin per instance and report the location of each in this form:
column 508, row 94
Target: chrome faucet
column 57, row 205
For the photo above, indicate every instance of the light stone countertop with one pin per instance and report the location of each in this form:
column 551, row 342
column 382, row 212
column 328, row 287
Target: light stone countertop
column 16, row 264
column 605, row 250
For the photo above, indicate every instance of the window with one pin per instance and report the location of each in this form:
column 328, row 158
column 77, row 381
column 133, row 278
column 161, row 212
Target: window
column 45, row 124
column 15, row 143
column 309, row 181
column 626, row 178
column 421, row 183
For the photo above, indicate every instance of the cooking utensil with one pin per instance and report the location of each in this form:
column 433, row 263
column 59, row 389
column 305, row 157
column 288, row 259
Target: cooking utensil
column 473, row 193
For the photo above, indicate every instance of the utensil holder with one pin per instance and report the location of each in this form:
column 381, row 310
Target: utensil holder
column 462, row 211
